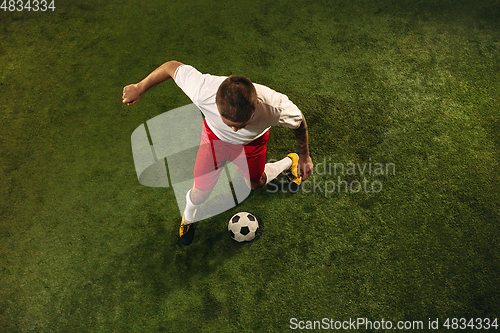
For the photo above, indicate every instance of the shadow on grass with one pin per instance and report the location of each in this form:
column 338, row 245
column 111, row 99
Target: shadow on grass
column 149, row 275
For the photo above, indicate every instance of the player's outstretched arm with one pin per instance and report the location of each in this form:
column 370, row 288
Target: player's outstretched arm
column 305, row 161
column 133, row 92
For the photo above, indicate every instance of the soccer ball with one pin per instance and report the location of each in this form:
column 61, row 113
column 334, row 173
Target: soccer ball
column 242, row 227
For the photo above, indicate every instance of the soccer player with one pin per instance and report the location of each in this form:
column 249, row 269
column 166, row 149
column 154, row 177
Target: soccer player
column 238, row 115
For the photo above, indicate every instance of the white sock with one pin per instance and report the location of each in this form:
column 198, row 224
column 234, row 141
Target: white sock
column 190, row 209
column 272, row 170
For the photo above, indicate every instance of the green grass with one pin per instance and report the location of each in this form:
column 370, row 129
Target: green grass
column 85, row 248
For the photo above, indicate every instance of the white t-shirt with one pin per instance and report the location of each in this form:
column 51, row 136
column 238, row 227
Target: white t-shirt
column 273, row 108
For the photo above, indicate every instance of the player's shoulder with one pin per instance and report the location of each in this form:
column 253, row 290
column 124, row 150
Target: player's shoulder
column 268, row 95
column 263, row 89
column 185, row 70
column 196, row 84
column 189, row 70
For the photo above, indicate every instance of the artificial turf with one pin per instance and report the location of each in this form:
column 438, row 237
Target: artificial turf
column 411, row 84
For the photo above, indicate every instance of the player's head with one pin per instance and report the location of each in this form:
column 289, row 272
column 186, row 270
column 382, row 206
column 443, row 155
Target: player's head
column 236, row 100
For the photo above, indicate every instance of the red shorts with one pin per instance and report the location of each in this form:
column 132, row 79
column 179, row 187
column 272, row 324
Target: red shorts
column 213, row 154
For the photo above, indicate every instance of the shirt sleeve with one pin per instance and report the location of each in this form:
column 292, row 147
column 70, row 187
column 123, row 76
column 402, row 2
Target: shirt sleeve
column 290, row 115
column 190, row 81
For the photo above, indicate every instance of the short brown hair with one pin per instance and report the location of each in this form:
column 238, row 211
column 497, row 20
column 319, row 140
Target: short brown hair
column 236, row 99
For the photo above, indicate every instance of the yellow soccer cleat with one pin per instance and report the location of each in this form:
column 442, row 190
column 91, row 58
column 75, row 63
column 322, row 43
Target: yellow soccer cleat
column 186, row 231
column 293, row 172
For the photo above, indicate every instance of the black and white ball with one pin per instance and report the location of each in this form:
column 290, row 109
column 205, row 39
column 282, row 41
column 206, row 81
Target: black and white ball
column 243, row 227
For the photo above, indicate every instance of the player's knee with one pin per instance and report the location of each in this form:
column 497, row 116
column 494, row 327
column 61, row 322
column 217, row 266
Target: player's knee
column 262, row 181
column 198, row 197
column 255, row 186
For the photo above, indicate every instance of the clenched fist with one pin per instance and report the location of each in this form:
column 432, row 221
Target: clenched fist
column 131, row 94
